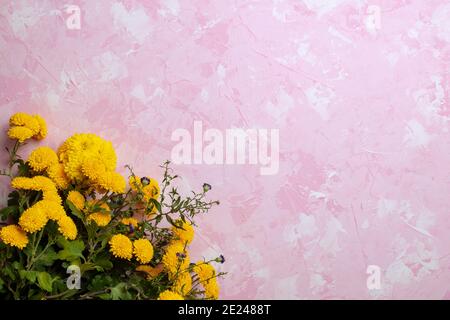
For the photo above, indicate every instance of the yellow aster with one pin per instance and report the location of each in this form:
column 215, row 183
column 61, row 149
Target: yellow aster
column 169, row 295
column 14, row 236
column 121, row 247
column 33, row 219
column 77, row 199
column 143, row 250
column 42, row 158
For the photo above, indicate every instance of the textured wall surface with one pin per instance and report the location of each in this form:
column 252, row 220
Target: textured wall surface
column 359, row 91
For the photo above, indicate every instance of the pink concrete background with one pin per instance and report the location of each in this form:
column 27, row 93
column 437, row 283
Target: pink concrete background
column 363, row 112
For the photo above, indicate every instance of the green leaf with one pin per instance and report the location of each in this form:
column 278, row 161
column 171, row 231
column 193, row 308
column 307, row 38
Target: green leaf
column 119, row 292
column 47, row 258
column 8, row 211
column 77, row 213
column 156, row 204
column 71, row 249
column 103, row 263
column 29, row 275
column 45, row 281
column 7, row 270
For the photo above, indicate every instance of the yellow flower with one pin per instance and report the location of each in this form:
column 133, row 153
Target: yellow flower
column 22, row 183
column 121, row 247
column 53, row 210
column 204, row 270
column 79, row 147
column 20, row 133
column 14, row 236
column 150, row 271
column 112, row 181
column 93, row 168
column 59, row 177
column 207, row 277
column 38, row 183
column 100, row 218
column 150, row 188
column 183, row 283
column 143, row 250
column 23, row 119
column 130, row 221
column 42, row 158
column 211, row 289
column 77, row 199
column 169, row 295
column 24, row 126
column 176, row 258
column 33, row 219
column 42, row 127
column 151, row 191
column 67, row 228
column 185, row 233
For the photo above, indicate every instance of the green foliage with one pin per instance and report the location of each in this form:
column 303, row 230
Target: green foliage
column 40, row 270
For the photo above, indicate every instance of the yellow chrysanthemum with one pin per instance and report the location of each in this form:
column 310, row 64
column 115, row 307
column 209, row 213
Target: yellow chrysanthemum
column 77, row 199
column 53, row 210
column 75, row 150
column 57, row 174
column 23, row 183
column 204, row 270
column 23, row 119
column 42, row 158
column 14, row 236
column 185, row 233
column 100, row 218
column 38, row 183
column 151, row 272
column 67, row 228
column 112, row 181
column 143, row 250
column 130, row 221
column 150, row 188
column 183, row 283
column 175, row 258
column 33, row 219
column 24, row 126
column 42, row 127
column 20, row 133
column 121, row 247
column 169, row 295
column 211, row 289
column 207, row 277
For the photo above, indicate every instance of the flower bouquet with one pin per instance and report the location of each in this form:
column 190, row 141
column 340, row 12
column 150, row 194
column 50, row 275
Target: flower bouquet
column 72, row 229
